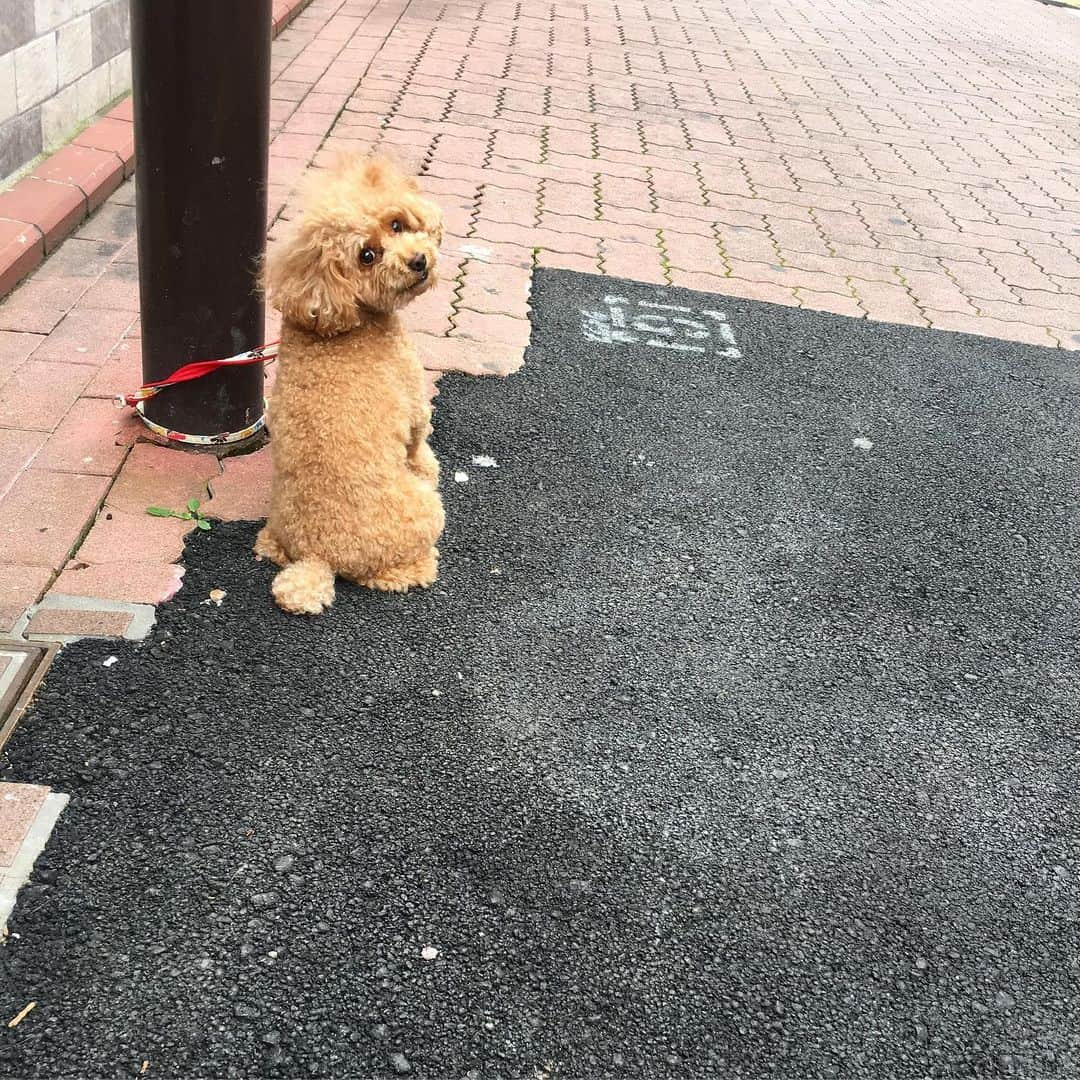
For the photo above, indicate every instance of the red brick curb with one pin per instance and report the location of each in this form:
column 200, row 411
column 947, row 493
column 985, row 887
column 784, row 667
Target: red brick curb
column 71, row 183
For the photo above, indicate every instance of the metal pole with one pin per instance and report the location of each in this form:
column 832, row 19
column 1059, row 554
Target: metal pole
column 201, row 75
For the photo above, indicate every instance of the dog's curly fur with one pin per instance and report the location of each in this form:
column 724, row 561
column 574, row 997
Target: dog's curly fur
column 355, row 485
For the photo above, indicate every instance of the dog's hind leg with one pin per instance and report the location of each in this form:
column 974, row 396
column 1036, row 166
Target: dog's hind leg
column 305, row 587
column 418, row 574
column 419, row 455
column 267, row 547
column 423, row 462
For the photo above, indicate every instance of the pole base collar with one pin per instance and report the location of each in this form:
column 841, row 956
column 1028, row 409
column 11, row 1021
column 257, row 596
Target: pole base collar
column 225, row 438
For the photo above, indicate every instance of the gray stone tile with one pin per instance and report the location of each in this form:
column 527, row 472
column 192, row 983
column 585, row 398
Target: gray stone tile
column 80, row 258
column 110, row 30
column 20, row 140
column 16, row 24
column 113, row 223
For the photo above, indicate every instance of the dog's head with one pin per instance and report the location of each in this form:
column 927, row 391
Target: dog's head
column 367, row 241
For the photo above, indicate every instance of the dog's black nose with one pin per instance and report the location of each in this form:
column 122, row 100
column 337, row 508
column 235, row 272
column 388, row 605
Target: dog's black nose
column 418, row 263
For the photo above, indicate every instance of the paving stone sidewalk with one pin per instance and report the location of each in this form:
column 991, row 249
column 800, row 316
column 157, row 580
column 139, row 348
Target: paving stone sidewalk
column 915, row 164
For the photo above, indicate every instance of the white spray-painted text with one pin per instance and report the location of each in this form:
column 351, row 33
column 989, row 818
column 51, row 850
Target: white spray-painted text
column 660, row 326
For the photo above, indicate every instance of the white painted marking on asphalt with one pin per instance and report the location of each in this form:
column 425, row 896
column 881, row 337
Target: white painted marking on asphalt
column 672, row 327
column 663, row 307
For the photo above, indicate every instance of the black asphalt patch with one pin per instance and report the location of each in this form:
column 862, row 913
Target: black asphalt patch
column 738, row 739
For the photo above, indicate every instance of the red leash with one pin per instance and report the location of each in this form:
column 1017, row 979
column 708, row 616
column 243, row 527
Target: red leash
column 196, row 370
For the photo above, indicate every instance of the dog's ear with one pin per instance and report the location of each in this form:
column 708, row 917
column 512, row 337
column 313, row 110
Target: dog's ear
column 306, row 279
column 382, row 173
column 372, row 173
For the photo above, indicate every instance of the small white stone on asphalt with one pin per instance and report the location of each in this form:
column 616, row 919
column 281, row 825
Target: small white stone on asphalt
column 482, row 461
column 109, row 662
column 461, row 477
column 429, row 952
column 860, row 442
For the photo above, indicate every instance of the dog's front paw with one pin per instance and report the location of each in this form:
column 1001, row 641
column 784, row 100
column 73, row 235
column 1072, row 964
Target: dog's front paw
column 304, row 588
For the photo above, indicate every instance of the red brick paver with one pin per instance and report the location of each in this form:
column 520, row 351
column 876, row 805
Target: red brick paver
column 57, row 622
column 914, row 164
column 20, row 586
column 19, row 803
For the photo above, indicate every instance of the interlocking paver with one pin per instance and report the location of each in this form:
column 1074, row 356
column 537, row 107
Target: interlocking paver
column 439, row 354
column 242, row 491
column 1020, row 270
column 1021, row 313
column 92, row 438
column 40, row 393
column 17, row 450
column 1066, row 303
column 129, row 581
column 20, row 586
column 621, row 258
column 119, row 373
column 120, row 536
column 38, row 305
column 161, row 476
column 497, row 289
column 430, row 314
column 44, row 513
column 487, row 326
column 86, row 334
column 1016, row 331
column 978, row 281
column 14, row 349
column 81, row 258
column 937, row 291
column 887, row 302
column 839, row 304
column 116, row 290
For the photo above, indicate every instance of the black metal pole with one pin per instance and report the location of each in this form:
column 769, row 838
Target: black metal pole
column 201, row 75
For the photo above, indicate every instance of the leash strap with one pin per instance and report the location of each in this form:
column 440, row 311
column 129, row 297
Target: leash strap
column 196, row 370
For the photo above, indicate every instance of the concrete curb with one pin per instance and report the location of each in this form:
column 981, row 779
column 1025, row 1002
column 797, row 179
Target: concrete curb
column 95, row 618
column 13, row 877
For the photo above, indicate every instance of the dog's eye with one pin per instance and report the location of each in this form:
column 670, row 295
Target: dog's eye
column 396, row 226
column 367, row 256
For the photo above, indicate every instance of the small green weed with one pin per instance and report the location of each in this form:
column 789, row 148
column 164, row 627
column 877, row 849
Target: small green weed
column 192, row 513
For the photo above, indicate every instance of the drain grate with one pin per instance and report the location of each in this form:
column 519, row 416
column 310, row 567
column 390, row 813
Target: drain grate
column 22, row 666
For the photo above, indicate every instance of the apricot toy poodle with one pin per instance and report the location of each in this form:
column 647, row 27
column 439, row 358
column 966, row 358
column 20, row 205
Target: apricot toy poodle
column 354, row 492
